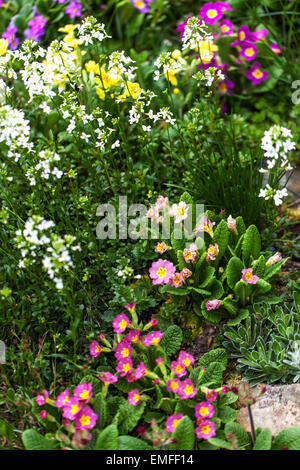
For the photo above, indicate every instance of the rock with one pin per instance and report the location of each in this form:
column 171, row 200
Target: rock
column 277, row 409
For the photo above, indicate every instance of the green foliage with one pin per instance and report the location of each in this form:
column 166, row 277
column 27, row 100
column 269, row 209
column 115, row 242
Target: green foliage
column 33, row 440
column 184, row 435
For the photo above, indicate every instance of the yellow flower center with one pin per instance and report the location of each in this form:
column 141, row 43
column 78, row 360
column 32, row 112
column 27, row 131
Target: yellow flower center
column 249, row 51
column 126, row 367
column 136, row 397
column 65, row 400
column 188, row 390
column 242, row 35
column 205, row 429
column 175, row 423
column 74, row 409
column 225, row 28
column 85, row 420
column 125, row 352
column 248, row 276
column 123, row 324
column 203, row 411
column 140, row 3
column 178, row 368
column 161, row 272
column 85, row 394
column 180, row 211
column 257, row 73
column 174, row 385
column 186, row 362
column 212, row 13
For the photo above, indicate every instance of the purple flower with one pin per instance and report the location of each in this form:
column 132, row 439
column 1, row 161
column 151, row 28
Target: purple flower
column 74, row 9
column 249, row 51
column 10, row 36
column 226, row 86
column 36, row 29
column 142, row 5
column 162, row 271
column 212, row 304
column 256, row 75
column 211, row 12
column 226, row 27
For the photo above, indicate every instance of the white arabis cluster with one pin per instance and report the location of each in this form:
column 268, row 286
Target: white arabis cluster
column 91, row 31
column 45, row 167
column 195, row 31
column 14, row 131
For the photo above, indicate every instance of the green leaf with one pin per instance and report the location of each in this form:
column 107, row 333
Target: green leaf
column 227, row 414
column 259, row 266
column 251, row 244
column 171, row 340
column 216, row 355
column 221, row 237
column 212, row 376
column 263, row 440
column 230, row 305
column 242, row 290
column 239, row 432
column 262, row 286
column 219, row 443
column 173, row 290
column 212, row 316
column 108, row 439
column 132, row 443
column 289, row 437
column 33, row 440
column 216, row 289
column 234, row 271
column 6, row 430
column 184, row 435
column 128, row 416
column 206, row 276
column 240, row 225
column 187, row 198
column 100, row 409
column 274, row 269
column 243, row 313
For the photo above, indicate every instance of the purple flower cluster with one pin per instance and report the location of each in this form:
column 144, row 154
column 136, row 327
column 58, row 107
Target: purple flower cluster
column 36, row 28
column 74, row 9
column 142, row 5
column 10, row 36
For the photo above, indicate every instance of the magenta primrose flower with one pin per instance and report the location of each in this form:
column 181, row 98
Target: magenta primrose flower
column 211, row 395
column 186, row 359
column 178, row 368
column 107, row 378
column 142, row 5
column 63, row 398
column 204, row 410
column 133, row 336
column 43, row 399
column 274, row 47
column 173, row 421
column 226, row 27
column 161, row 272
column 10, row 36
column 177, row 280
column 123, row 350
column 86, row 419
column 211, row 12
column 71, row 408
column 120, row 323
column 140, row 371
column 248, row 276
column 256, row 75
column 205, row 429
column 153, row 339
column 124, row 367
column 83, row 392
column 131, row 307
column 95, row 348
column 249, row 51
column 173, row 385
column 225, row 87
column 187, row 389
column 134, row 397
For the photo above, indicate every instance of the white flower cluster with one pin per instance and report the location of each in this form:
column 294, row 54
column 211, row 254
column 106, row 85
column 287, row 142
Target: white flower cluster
column 45, row 167
column 195, row 31
column 276, row 194
column 14, row 131
column 119, row 66
column 276, row 143
column 165, row 64
column 4, row 92
column 208, row 76
column 91, row 30
column 37, row 234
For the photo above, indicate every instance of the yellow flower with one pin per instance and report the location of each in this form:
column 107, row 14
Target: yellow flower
column 71, row 41
column 170, row 75
column 207, row 50
column 3, row 46
column 176, row 54
column 100, row 92
column 134, row 89
column 68, row 28
column 91, row 66
column 176, row 91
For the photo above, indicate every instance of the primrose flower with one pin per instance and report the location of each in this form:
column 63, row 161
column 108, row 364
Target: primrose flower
column 187, row 389
column 212, row 304
column 10, row 36
column 161, row 272
column 226, row 27
column 173, row 385
column 186, row 359
column 275, row 48
column 133, row 336
column 205, row 226
column 173, row 421
column 152, row 213
column 211, row 12
column 256, row 75
column 205, row 429
column 224, row 6
column 259, row 35
column 249, row 51
column 179, row 211
column 120, row 323
column 212, row 252
column 274, row 259
column 74, row 9
column 211, row 395
column 84, row 392
column 162, row 202
column 134, row 397
column 186, row 273
column 43, row 414
column 43, row 399
column 124, row 367
column 225, row 86
column 225, row 389
column 142, row 5
column 131, row 307
column 177, row 280
column 178, row 368
column 248, row 276
column 161, row 247
column 140, row 371
column 86, row 419
column 107, row 378
column 95, row 348
column 62, row 399
column 244, row 33
column 204, row 410
column 123, row 350
column 153, row 339
column 71, row 408
column 231, row 223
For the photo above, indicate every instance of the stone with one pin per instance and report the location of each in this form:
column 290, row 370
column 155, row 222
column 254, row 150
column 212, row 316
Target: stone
column 277, row 409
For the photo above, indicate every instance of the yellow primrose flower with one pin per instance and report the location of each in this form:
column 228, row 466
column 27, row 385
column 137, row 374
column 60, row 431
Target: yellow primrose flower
column 170, row 75
column 100, row 92
column 91, row 66
column 71, row 41
column 3, row 46
column 134, row 89
column 176, row 54
column 207, row 50
column 68, row 28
